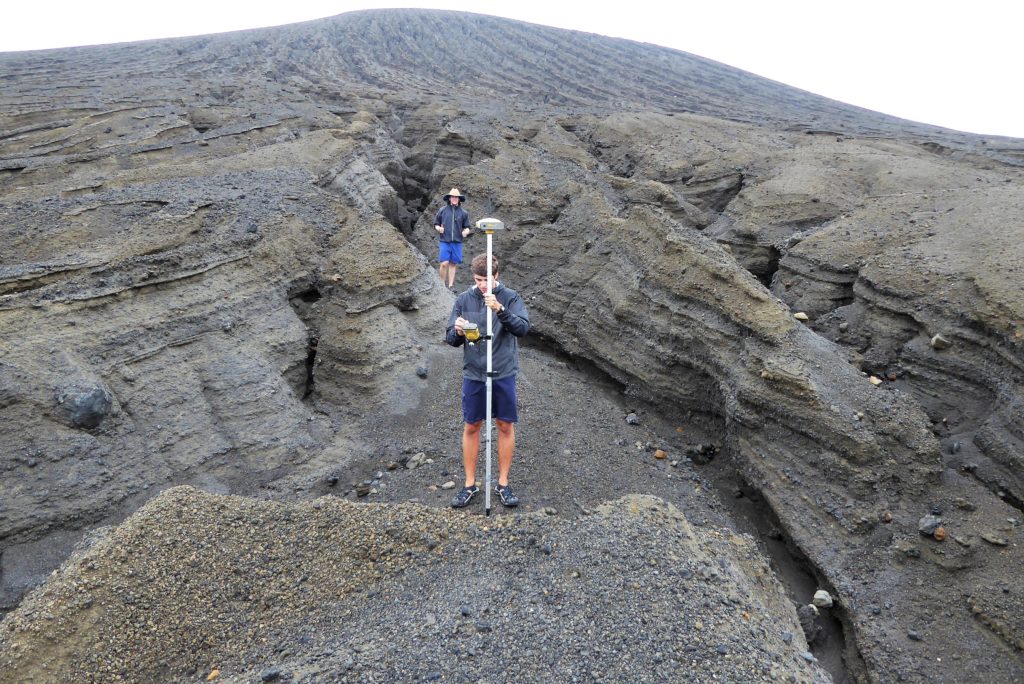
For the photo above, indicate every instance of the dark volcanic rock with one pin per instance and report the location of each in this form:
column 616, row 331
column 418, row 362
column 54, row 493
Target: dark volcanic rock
column 230, row 234
column 86, row 407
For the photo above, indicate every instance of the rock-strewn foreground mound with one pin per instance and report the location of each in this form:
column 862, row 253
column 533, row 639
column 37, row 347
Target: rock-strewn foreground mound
column 217, row 270
column 334, row 591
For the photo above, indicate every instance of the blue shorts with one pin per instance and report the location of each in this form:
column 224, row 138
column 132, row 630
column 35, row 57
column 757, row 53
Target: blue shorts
column 451, row 252
column 503, row 400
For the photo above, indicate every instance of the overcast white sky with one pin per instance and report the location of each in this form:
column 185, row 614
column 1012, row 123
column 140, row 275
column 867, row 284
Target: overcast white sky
column 944, row 62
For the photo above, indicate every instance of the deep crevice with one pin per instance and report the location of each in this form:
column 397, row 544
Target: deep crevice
column 303, row 300
column 310, row 365
column 797, row 573
column 766, row 274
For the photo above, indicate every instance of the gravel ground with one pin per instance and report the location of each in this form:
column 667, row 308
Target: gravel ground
column 198, row 586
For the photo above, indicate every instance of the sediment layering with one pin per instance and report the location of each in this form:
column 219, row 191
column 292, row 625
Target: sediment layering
column 218, row 271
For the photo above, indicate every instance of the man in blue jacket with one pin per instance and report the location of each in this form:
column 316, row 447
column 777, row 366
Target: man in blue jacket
column 452, row 223
column 509, row 322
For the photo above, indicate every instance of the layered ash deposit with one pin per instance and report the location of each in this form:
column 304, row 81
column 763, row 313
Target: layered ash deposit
column 218, row 270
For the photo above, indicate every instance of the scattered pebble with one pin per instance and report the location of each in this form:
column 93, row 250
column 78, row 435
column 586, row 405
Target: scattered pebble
column 822, row 599
column 416, row 461
column 270, row 674
column 928, row 524
column 994, row 540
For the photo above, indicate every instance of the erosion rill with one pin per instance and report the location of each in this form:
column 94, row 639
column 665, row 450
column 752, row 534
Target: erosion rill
column 217, row 264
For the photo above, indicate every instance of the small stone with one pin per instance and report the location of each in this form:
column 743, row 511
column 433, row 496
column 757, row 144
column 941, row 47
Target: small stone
column 939, row 533
column 886, row 516
column 421, row 371
column 363, row 488
column 270, row 674
column 660, row 454
column 913, row 636
column 86, row 406
column 787, row 637
column 545, row 548
column 448, row 485
column 632, row 419
column 928, row 524
column 801, row 316
column 332, row 480
column 213, row 675
column 722, row 649
column 875, row 381
column 822, row 599
column 993, row 539
column 939, row 342
column 808, row 656
column 844, row 326
column 465, row 610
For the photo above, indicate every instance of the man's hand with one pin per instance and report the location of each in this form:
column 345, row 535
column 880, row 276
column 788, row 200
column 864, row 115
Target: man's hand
column 465, row 232
column 460, row 323
column 439, row 229
column 492, row 303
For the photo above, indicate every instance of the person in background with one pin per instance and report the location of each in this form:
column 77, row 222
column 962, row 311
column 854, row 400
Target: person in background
column 452, row 223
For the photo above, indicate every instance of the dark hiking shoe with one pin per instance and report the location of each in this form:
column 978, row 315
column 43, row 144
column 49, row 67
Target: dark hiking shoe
column 464, row 496
column 507, row 497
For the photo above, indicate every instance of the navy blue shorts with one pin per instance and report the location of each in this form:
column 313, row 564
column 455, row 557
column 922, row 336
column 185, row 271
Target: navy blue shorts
column 451, row 252
column 503, row 400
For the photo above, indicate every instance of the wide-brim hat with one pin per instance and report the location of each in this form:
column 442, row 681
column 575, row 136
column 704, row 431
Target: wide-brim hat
column 454, row 192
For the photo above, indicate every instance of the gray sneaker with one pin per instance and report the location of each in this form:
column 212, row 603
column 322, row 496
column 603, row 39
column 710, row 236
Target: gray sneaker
column 463, row 497
column 507, row 497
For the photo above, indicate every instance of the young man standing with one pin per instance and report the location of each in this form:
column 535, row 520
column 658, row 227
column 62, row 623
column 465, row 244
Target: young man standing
column 452, row 223
column 509, row 322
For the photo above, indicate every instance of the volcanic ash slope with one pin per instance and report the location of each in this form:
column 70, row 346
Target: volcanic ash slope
column 331, row 590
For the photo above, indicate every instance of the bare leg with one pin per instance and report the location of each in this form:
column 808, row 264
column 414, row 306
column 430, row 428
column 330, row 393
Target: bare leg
column 442, row 271
column 471, row 450
column 506, row 447
column 451, row 275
